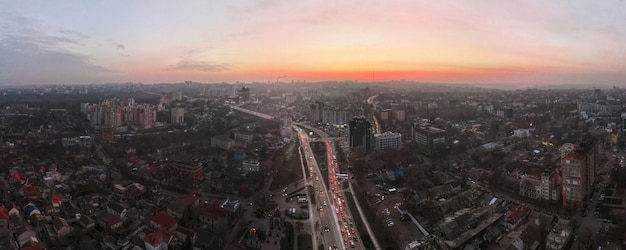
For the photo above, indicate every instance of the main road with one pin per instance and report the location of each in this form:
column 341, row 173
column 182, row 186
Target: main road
column 333, row 214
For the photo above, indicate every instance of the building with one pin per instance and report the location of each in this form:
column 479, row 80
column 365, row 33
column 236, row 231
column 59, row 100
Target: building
column 285, row 127
column 187, row 172
column 178, row 115
column 579, row 167
column 340, row 115
column 222, row 142
column 428, row 137
column 316, row 111
column 116, row 209
column 250, row 166
column 183, row 204
column 360, row 134
column 550, row 190
column 162, row 220
column 158, row 240
column 388, row 140
column 244, row 94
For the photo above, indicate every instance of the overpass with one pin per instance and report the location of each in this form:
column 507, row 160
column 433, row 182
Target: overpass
column 254, row 113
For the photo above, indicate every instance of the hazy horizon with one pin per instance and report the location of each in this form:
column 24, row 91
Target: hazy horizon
column 500, row 44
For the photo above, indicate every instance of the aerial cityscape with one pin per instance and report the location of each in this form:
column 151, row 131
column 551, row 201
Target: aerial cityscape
column 264, row 124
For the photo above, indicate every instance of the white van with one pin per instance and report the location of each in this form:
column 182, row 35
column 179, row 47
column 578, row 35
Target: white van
column 302, row 200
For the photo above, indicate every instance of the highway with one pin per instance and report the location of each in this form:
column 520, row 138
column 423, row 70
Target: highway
column 334, row 214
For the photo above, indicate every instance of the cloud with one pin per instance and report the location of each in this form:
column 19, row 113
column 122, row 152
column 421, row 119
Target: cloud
column 201, row 66
column 33, row 54
column 121, row 46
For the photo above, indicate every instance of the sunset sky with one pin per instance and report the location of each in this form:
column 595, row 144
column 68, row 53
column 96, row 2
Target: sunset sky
column 495, row 42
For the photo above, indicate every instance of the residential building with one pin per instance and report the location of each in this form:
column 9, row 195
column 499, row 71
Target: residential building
column 388, row 140
column 214, row 216
column 158, row 240
column 222, row 142
column 245, row 138
column 285, row 127
column 360, row 134
column 579, row 163
column 164, row 221
column 178, row 207
column 61, row 227
column 187, row 172
column 550, row 190
column 114, row 222
column 250, row 166
column 531, row 187
column 177, row 115
column 116, row 209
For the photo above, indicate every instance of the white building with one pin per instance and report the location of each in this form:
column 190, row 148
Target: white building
column 250, row 166
column 387, row 140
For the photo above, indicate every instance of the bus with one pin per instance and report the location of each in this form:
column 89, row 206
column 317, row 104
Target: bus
column 343, row 176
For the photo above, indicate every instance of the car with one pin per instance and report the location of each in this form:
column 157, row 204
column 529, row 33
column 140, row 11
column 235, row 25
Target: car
column 377, row 202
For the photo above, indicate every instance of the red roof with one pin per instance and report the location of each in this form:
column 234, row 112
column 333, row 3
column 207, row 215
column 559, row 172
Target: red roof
column 164, row 220
column 35, row 247
column 56, row 199
column 518, row 212
column 188, row 199
column 158, row 237
column 214, row 210
column 113, row 220
column 4, row 213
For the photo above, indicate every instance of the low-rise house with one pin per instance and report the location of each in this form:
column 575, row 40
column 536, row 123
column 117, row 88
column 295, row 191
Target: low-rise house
column 182, row 233
column 162, row 220
column 114, row 222
column 187, row 202
column 61, row 228
column 116, row 209
column 515, row 217
column 214, row 216
column 158, row 240
column 25, row 237
column 86, row 223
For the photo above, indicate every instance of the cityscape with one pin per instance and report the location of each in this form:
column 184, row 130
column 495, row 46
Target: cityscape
column 313, row 125
column 301, row 166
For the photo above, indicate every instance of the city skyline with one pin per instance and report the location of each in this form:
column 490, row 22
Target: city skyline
column 513, row 42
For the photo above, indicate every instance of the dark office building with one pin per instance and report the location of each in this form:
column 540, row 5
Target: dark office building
column 360, row 133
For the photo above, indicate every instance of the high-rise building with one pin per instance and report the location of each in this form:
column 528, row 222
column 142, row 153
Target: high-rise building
column 387, row 140
column 285, row 127
column 178, row 115
column 360, row 133
column 244, row 94
column 579, row 167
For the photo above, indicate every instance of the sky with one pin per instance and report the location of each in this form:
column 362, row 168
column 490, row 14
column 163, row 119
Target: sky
column 509, row 42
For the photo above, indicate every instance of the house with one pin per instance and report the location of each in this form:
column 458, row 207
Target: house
column 114, row 222
column 515, row 217
column 61, row 227
column 162, row 220
column 177, row 208
column 182, row 233
column 158, row 240
column 86, row 223
column 56, row 201
column 116, row 209
column 214, row 216
column 25, row 237
column 4, row 218
column 222, row 141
